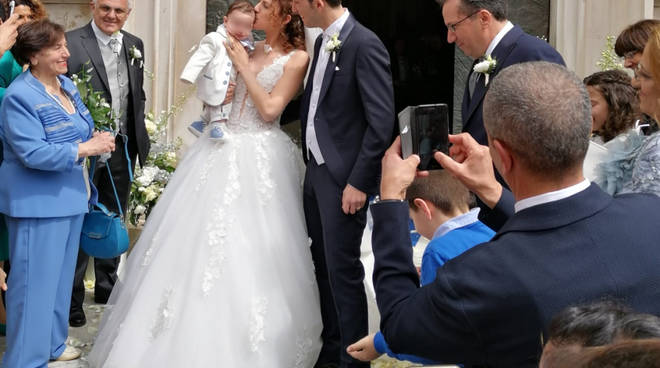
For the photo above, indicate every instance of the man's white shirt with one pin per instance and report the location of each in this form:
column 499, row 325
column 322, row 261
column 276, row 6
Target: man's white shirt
column 500, row 35
column 321, row 65
column 552, row 196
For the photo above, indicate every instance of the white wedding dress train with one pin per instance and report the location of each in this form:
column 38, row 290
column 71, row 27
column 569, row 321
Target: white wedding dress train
column 222, row 275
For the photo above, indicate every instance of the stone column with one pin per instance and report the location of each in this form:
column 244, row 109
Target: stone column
column 169, row 29
column 579, row 28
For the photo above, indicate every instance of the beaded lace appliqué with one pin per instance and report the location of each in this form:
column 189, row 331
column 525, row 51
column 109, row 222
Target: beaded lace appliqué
column 164, row 315
column 257, row 322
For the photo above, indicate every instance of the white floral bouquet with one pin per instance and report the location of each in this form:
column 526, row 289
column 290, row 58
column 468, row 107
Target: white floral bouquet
column 151, row 179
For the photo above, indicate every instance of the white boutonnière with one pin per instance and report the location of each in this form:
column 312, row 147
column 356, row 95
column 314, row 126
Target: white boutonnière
column 333, row 45
column 486, row 67
column 135, row 55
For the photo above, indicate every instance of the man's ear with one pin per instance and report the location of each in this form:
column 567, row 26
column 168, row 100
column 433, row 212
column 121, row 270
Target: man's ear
column 484, row 17
column 505, row 156
column 421, row 205
column 91, row 6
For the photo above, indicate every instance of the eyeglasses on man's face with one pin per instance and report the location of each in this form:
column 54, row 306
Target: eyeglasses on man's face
column 452, row 26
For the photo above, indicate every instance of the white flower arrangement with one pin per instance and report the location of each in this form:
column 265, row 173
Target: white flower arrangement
column 151, row 179
column 136, row 55
column 486, row 67
column 333, row 45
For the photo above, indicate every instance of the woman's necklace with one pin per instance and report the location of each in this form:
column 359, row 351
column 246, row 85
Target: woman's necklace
column 72, row 108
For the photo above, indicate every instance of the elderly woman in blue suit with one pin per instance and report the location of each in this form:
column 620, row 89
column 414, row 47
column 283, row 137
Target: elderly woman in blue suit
column 47, row 133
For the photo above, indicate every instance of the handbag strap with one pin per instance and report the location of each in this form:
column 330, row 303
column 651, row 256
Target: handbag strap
column 112, row 181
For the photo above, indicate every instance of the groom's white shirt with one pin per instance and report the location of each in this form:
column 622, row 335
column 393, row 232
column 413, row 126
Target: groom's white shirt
column 321, row 65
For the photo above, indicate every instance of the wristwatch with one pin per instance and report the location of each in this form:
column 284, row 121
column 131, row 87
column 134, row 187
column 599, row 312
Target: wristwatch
column 377, row 200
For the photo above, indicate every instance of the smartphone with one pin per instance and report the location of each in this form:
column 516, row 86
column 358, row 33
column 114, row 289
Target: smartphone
column 424, row 131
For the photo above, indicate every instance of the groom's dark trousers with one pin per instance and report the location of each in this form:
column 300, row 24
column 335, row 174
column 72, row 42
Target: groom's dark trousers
column 353, row 127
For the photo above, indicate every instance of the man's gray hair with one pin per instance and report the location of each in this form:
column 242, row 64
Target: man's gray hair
column 542, row 112
column 129, row 2
column 498, row 8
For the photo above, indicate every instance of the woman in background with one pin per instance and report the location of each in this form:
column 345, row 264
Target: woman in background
column 646, row 163
column 614, row 104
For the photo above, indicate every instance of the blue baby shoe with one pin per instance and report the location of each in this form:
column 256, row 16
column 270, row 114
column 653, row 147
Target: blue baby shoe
column 196, row 128
column 216, row 133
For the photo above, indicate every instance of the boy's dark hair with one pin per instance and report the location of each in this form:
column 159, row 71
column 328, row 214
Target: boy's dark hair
column 593, row 324
column 639, row 326
column 244, row 6
column 440, row 188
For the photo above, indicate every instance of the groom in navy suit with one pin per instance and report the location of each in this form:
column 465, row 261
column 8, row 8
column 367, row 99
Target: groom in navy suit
column 566, row 242
column 347, row 117
column 480, row 29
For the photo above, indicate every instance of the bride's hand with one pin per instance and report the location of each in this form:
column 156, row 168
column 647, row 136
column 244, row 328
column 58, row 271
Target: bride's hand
column 237, row 54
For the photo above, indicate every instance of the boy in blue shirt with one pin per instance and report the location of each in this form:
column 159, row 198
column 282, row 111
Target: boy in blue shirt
column 440, row 208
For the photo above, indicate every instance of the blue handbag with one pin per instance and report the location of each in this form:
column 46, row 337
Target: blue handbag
column 104, row 233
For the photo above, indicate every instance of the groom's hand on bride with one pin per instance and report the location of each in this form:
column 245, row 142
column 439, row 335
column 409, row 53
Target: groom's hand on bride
column 352, row 200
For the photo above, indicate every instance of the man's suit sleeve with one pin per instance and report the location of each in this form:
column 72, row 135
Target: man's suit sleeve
column 495, row 217
column 374, row 81
column 428, row 321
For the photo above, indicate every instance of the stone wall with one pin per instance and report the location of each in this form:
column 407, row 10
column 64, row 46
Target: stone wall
column 69, row 13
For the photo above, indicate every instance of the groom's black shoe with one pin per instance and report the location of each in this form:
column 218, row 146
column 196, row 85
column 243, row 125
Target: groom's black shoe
column 77, row 318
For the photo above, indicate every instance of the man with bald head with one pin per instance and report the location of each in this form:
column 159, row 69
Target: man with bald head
column 480, row 29
column 567, row 241
column 116, row 57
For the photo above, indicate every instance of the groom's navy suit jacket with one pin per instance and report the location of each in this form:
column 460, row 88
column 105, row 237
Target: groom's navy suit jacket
column 355, row 116
column 514, row 48
column 491, row 305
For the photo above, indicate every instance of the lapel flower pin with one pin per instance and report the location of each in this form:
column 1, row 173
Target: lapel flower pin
column 333, row 45
column 135, row 55
column 486, row 67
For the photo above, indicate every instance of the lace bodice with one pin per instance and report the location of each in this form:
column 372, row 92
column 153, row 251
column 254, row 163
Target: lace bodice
column 244, row 116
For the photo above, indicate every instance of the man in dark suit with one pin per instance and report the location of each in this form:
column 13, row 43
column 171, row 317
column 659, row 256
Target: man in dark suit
column 567, row 243
column 347, row 117
column 117, row 62
column 481, row 29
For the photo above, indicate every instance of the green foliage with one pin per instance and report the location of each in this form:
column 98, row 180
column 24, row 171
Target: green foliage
column 152, row 177
column 100, row 110
column 608, row 58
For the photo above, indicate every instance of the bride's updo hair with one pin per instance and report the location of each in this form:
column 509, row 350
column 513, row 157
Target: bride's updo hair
column 294, row 31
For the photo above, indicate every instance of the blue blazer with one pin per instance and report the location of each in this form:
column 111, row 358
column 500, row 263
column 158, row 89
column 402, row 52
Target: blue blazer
column 491, row 306
column 516, row 47
column 355, row 116
column 40, row 149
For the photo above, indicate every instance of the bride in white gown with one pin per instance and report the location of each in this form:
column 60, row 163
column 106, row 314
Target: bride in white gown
column 222, row 275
